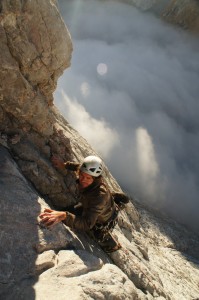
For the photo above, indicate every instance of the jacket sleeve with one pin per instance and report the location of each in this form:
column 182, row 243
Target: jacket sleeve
column 71, row 166
column 89, row 217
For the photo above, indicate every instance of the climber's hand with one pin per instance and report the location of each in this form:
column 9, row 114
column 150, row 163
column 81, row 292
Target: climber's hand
column 57, row 163
column 51, row 217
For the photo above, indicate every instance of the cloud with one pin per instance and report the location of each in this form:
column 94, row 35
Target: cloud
column 135, row 79
column 146, row 160
column 95, row 131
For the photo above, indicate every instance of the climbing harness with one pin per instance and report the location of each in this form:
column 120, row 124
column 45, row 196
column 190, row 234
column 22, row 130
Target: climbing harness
column 101, row 231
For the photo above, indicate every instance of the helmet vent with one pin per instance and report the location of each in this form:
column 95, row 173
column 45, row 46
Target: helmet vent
column 92, row 165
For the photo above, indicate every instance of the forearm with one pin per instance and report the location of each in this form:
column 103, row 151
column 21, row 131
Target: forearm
column 76, row 222
column 85, row 221
column 60, row 164
column 71, row 166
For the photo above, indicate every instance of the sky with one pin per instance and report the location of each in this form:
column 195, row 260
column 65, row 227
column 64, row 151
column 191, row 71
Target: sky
column 133, row 92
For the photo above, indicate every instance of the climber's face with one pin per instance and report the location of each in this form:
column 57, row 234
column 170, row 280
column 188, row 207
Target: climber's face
column 85, row 179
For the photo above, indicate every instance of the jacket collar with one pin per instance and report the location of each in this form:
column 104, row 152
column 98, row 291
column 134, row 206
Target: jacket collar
column 96, row 182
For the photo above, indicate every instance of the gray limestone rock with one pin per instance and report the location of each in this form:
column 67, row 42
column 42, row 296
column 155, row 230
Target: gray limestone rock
column 106, row 283
column 159, row 258
column 20, row 234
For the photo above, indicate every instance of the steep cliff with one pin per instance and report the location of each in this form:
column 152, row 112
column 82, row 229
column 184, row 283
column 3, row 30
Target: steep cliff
column 159, row 258
column 183, row 13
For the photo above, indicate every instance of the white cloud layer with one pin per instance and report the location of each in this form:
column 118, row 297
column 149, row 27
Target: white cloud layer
column 135, row 81
column 97, row 132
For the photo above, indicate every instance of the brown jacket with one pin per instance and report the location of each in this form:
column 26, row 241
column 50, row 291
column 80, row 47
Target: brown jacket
column 97, row 203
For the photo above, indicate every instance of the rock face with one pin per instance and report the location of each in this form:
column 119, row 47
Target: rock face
column 159, row 258
column 36, row 48
column 21, row 237
column 184, row 13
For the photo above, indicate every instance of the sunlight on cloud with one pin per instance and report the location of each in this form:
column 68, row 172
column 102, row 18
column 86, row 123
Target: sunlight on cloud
column 97, row 132
column 147, row 164
column 140, row 76
column 85, row 89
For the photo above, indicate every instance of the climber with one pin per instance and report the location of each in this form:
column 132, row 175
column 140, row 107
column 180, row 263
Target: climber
column 96, row 210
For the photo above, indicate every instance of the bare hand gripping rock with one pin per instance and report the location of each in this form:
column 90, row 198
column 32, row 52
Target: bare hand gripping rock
column 97, row 211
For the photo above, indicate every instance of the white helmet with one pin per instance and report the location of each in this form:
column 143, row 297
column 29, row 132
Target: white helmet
column 92, row 165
